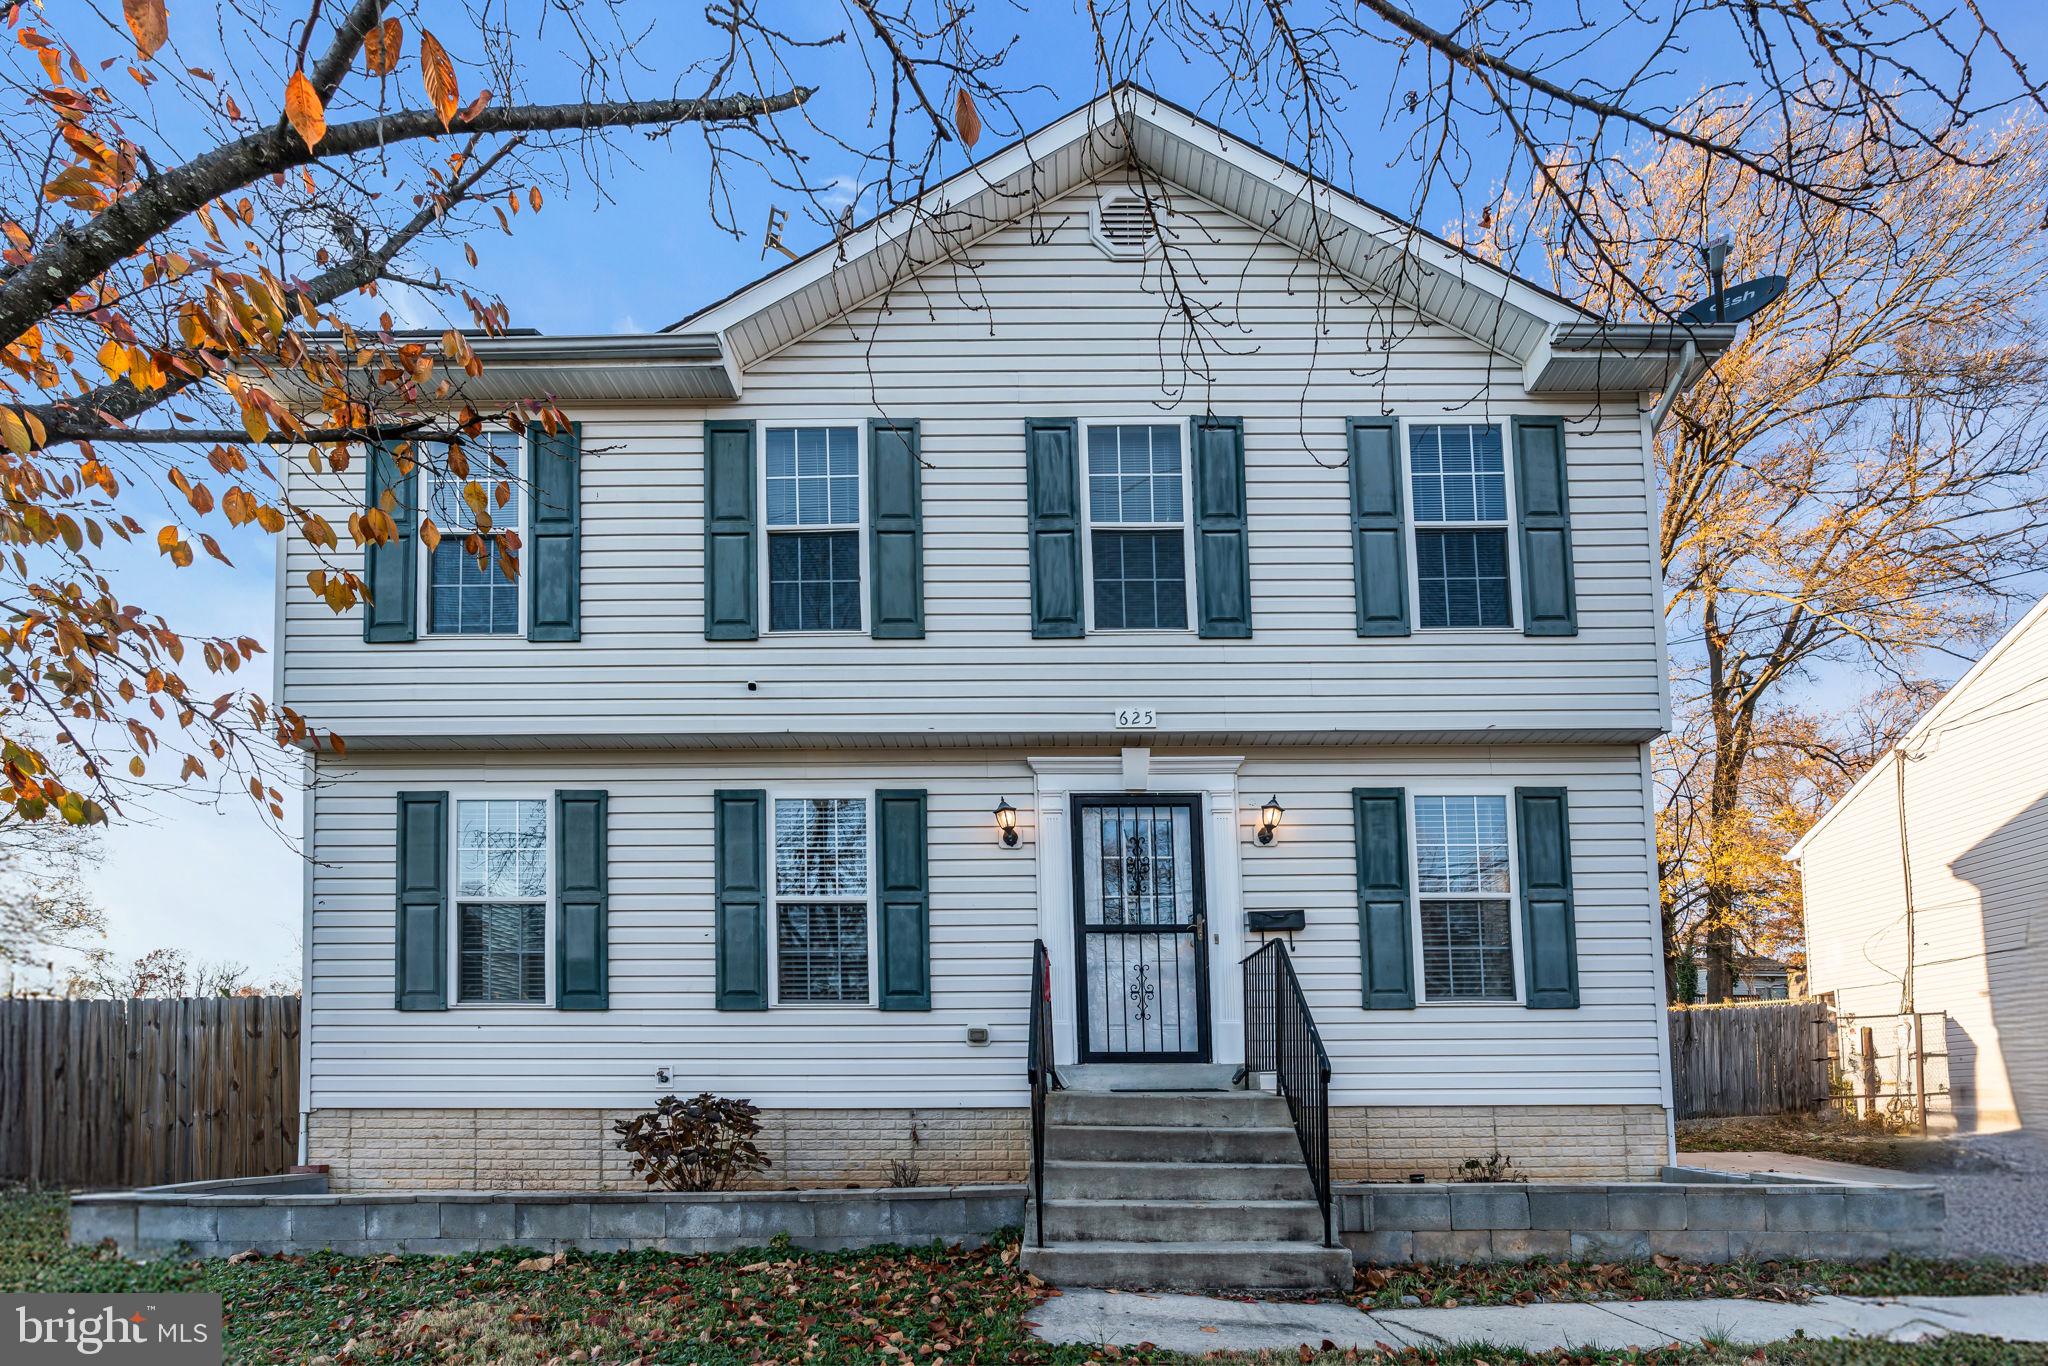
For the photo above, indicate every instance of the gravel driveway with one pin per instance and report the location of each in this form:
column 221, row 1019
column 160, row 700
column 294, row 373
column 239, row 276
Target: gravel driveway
column 1999, row 1205
column 1996, row 1191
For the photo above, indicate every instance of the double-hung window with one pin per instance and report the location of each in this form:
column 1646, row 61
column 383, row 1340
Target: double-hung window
column 1457, row 477
column 468, row 591
column 1464, row 882
column 501, row 900
column 823, row 901
column 1137, row 527
column 813, row 500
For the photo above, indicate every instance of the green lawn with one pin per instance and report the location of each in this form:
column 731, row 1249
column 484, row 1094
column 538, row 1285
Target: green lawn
column 891, row 1306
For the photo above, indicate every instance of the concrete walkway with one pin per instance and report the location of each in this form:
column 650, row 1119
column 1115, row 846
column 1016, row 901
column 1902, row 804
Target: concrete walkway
column 1197, row 1324
column 1791, row 1164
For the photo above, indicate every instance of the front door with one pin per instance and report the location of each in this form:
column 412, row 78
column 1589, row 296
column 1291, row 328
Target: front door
column 1140, row 929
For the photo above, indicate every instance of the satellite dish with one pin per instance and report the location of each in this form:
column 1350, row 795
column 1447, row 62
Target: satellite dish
column 1736, row 302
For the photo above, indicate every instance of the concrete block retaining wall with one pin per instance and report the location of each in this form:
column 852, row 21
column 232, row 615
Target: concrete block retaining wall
column 161, row 1220
column 1697, row 1216
column 1690, row 1214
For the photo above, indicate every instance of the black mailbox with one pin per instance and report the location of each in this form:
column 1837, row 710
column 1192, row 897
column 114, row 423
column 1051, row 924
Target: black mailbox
column 1272, row 922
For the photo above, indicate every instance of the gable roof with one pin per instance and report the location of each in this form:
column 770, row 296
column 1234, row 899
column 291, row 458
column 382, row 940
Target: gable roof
column 1936, row 714
column 1563, row 347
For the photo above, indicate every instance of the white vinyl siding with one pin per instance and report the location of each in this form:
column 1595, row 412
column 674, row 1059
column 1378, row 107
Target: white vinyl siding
column 1047, row 327
column 984, row 917
column 1976, row 812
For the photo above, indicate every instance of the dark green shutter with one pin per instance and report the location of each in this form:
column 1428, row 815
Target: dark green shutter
column 1052, row 483
column 740, row 838
column 903, row 900
column 420, row 944
column 731, row 602
column 1379, row 540
column 554, row 540
column 1386, row 960
column 582, row 901
column 391, row 569
column 1223, row 572
column 895, row 531
column 1542, row 499
column 1550, row 952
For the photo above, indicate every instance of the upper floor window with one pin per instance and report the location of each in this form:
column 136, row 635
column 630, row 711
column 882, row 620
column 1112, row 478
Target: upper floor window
column 813, row 502
column 468, row 591
column 501, row 900
column 823, row 901
column 1464, row 884
column 1137, row 528
column 1457, row 477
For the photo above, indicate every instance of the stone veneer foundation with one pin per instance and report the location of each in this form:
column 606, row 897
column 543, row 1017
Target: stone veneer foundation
column 423, row 1150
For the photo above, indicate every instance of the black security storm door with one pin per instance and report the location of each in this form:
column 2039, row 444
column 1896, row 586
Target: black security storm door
column 1140, row 929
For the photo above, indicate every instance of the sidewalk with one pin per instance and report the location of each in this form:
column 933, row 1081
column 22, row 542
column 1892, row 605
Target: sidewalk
column 1197, row 1324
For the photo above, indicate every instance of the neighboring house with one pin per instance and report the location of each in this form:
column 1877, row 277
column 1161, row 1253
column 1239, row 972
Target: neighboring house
column 845, row 564
column 1926, row 887
column 1757, row 978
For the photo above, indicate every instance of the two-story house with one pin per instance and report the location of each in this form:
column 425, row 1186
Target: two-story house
column 1132, row 542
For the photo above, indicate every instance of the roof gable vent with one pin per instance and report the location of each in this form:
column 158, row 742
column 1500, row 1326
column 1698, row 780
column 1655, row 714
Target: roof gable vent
column 1124, row 225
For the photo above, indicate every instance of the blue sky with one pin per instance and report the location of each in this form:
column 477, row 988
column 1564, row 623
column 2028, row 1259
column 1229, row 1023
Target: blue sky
column 207, row 876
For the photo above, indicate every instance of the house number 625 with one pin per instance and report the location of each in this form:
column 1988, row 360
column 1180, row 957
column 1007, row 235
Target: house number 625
column 1136, row 718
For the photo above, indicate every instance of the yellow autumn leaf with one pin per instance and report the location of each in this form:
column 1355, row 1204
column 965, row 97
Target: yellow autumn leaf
column 13, row 432
column 303, row 108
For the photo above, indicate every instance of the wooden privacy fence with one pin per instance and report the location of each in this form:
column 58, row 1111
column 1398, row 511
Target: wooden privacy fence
column 1765, row 1059
column 143, row 1092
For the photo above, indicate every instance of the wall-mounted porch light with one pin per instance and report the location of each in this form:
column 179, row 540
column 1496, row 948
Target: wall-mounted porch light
column 1269, row 819
column 1006, row 821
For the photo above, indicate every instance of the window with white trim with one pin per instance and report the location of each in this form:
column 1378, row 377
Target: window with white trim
column 1464, row 883
column 813, row 502
column 1458, row 488
column 1137, row 527
column 468, row 591
column 501, row 900
column 823, row 901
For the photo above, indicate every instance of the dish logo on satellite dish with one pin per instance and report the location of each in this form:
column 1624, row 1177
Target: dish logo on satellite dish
column 1737, row 302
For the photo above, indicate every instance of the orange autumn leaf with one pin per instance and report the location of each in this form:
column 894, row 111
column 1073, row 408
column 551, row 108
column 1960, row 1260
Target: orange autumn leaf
column 147, row 21
column 439, row 75
column 381, row 47
column 966, row 118
column 303, row 108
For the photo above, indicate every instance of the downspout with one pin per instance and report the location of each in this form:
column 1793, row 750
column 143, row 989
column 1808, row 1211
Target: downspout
column 1679, row 384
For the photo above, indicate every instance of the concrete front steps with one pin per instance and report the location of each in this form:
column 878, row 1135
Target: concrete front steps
column 1163, row 1190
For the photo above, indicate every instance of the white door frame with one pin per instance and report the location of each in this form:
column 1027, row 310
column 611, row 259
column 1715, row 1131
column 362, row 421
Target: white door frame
column 1214, row 780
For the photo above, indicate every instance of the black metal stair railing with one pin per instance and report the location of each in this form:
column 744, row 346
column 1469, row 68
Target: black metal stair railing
column 1044, row 1077
column 1280, row 1037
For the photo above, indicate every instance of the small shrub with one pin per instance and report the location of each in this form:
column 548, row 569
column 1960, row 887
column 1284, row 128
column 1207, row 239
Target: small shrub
column 904, row 1171
column 1494, row 1168
column 705, row 1143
